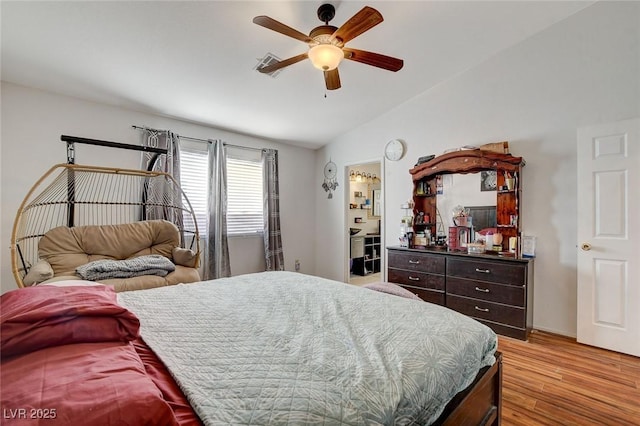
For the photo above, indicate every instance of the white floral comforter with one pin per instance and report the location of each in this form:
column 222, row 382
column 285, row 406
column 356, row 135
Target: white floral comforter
column 285, row 348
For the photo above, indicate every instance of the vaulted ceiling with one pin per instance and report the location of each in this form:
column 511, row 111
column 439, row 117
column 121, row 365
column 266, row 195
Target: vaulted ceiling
column 196, row 60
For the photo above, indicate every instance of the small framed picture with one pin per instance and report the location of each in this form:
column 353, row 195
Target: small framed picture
column 528, row 246
column 488, row 180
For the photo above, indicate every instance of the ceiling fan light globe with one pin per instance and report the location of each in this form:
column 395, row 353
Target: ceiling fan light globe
column 325, row 57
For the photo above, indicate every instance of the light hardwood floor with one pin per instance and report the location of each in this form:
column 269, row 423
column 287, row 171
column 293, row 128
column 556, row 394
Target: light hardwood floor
column 552, row 380
column 362, row 280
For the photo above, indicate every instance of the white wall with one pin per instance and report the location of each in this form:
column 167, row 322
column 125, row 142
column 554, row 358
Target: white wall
column 33, row 120
column 581, row 71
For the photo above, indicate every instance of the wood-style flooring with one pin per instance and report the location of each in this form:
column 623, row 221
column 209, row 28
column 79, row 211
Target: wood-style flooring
column 552, row 380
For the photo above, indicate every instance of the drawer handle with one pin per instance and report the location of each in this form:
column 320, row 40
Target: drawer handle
column 484, row 290
column 414, row 262
column 414, row 278
column 484, row 271
column 482, row 309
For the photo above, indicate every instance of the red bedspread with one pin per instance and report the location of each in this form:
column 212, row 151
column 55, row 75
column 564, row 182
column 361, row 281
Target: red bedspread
column 69, row 358
column 164, row 381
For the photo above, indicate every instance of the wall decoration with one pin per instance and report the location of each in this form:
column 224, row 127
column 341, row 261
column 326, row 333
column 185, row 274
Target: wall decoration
column 330, row 181
column 394, row 150
column 488, row 180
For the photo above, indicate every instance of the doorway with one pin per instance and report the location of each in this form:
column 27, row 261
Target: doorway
column 364, row 219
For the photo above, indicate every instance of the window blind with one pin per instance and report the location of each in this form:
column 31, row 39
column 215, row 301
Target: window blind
column 244, row 190
column 244, row 197
column 193, row 180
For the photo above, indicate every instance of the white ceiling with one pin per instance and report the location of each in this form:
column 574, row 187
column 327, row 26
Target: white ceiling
column 196, row 60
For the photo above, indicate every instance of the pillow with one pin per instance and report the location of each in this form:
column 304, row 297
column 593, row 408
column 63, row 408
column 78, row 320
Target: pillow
column 389, row 288
column 38, row 273
column 38, row 317
column 184, row 257
column 153, row 264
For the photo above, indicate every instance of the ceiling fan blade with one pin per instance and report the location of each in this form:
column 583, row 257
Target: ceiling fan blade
column 374, row 59
column 332, row 79
column 285, row 63
column 272, row 24
column 362, row 21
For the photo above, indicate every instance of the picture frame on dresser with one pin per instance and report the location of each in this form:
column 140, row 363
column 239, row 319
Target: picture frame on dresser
column 488, row 180
column 528, row 246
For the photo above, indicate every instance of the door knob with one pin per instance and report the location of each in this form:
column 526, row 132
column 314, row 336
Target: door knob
column 585, row 246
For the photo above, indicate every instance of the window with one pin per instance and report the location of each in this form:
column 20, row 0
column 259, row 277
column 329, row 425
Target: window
column 244, row 188
column 244, row 196
column 193, row 180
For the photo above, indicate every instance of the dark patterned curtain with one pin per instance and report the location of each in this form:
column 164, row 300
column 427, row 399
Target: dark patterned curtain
column 274, row 257
column 170, row 164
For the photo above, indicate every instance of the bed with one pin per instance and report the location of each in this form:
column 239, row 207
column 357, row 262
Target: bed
column 266, row 348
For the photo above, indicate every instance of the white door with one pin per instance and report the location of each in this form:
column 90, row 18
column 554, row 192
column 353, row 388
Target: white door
column 609, row 236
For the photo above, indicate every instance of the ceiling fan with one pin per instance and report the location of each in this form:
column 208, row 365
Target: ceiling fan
column 327, row 43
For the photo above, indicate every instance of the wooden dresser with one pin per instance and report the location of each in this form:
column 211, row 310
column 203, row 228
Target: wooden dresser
column 497, row 291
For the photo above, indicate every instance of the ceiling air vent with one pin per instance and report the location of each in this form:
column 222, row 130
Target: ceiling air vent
column 268, row 59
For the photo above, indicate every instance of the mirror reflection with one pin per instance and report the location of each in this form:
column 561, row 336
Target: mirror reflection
column 474, row 192
column 375, row 194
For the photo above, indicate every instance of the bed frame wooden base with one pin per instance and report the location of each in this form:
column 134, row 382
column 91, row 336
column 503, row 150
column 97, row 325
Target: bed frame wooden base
column 480, row 403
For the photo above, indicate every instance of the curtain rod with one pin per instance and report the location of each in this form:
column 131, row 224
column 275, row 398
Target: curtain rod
column 198, row 139
column 76, row 139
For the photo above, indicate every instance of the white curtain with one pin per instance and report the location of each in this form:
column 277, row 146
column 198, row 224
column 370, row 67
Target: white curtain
column 217, row 248
column 274, row 256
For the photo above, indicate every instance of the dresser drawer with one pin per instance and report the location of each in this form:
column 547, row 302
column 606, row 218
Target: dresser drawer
column 500, row 293
column 489, row 311
column 504, row 273
column 413, row 261
column 436, row 297
column 416, row 279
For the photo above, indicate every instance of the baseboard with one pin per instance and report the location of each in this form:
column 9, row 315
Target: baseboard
column 556, row 332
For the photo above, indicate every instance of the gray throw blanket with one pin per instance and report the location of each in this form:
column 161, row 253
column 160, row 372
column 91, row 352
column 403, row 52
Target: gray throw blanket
column 153, row 264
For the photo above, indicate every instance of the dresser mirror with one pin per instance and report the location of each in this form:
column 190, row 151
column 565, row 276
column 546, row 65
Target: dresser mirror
column 483, row 182
column 467, row 190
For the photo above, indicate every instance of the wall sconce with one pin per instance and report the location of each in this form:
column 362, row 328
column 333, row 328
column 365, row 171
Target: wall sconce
column 352, row 176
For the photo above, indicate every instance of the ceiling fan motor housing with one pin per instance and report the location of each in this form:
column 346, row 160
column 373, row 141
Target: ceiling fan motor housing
column 326, row 12
column 322, row 34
